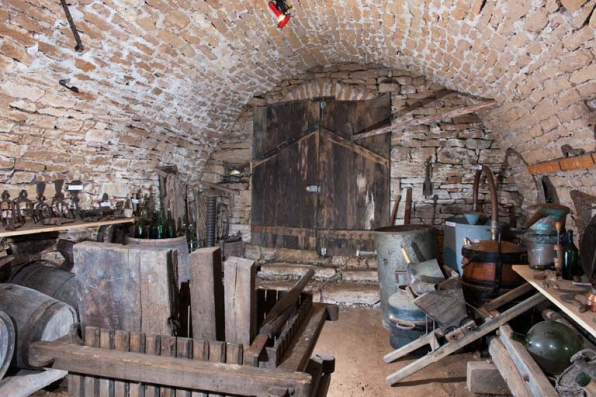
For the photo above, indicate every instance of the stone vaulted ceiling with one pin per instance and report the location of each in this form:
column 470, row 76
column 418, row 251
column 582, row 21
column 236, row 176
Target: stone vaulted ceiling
column 186, row 68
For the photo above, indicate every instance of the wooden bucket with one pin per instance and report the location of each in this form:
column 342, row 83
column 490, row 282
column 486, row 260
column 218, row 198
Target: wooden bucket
column 179, row 244
column 48, row 279
column 7, row 342
column 36, row 317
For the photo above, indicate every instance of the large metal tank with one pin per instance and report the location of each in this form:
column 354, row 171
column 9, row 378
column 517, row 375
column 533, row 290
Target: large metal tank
column 456, row 229
column 419, row 239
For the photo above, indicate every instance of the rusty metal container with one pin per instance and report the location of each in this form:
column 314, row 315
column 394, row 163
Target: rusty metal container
column 488, row 271
column 179, row 244
column 420, row 239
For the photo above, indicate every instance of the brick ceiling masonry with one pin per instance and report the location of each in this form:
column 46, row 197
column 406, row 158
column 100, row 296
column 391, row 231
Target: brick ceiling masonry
column 185, row 69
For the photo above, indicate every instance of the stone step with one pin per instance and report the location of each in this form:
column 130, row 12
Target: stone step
column 279, row 270
column 348, row 294
column 344, row 294
column 359, row 276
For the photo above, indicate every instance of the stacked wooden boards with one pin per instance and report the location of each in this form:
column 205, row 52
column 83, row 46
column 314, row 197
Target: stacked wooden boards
column 128, row 287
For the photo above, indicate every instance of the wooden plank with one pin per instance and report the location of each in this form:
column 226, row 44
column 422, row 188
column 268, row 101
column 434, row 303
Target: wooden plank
column 253, row 354
column 507, row 297
column 168, row 371
column 168, row 349
column 125, row 287
column 217, row 354
column 207, row 294
column 91, row 383
column 32, row 228
column 137, row 345
column 489, row 325
column 408, row 209
column 362, row 151
column 75, row 385
column 428, row 339
column 545, row 167
column 460, row 111
column 184, row 347
column 303, row 344
column 507, row 368
column 240, row 300
column 121, row 344
column 200, row 352
column 536, row 381
column 26, row 382
column 585, row 320
column 153, row 348
column 577, row 162
column 106, row 341
column 234, row 355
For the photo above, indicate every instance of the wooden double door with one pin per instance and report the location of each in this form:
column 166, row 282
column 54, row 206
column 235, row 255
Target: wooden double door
column 313, row 188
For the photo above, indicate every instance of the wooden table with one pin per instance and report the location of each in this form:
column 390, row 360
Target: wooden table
column 32, row 228
column 585, row 320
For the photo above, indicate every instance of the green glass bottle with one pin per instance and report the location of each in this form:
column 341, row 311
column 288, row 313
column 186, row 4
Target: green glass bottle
column 162, row 225
column 191, row 237
column 170, row 226
column 551, row 344
column 141, row 230
column 571, row 266
column 153, row 233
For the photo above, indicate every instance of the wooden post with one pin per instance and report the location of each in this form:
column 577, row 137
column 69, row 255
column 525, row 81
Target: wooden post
column 240, row 300
column 207, row 294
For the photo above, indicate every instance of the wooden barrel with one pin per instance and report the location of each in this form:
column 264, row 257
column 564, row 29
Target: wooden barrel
column 179, row 244
column 36, row 316
column 480, row 280
column 7, row 342
column 48, row 279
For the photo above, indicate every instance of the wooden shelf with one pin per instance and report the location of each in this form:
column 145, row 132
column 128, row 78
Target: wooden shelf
column 31, row 228
column 585, row 320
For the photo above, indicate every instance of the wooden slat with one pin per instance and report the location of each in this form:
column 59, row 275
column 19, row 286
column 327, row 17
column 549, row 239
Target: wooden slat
column 507, row 297
column 362, row 151
column 91, row 383
column 490, row 325
column 217, row 354
column 577, row 162
column 122, row 344
column 152, row 347
column 207, row 294
column 460, row 111
column 184, row 347
column 240, row 301
column 536, row 381
column 168, row 371
column 106, row 341
column 168, row 349
column 137, row 345
column 200, row 352
column 32, row 228
column 507, row 368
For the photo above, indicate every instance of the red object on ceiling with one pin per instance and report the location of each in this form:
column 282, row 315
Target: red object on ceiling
column 282, row 19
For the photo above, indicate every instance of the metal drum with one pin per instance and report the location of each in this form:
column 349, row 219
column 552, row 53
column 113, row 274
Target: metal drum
column 420, row 239
column 407, row 321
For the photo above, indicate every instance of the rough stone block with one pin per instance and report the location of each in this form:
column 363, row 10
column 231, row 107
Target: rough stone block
column 483, row 377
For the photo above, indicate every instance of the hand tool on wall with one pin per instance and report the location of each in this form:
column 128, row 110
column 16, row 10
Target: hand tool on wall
column 79, row 47
column 395, row 209
column 408, row 211
column 427, row 186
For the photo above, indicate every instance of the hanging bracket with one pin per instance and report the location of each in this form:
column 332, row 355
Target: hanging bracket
column 79, row 47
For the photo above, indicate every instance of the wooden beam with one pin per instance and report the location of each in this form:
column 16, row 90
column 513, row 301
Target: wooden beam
column 536, row 381
column 168, row 371
column 364, row 152
column 507, row 368
column 489, row 325
column 403, row 124
column 240, row 300
column 585, row 161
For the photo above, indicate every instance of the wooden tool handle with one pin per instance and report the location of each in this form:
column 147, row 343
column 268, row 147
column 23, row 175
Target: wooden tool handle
column 405, row 253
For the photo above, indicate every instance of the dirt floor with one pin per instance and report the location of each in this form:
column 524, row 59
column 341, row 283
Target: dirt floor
column 358, row 341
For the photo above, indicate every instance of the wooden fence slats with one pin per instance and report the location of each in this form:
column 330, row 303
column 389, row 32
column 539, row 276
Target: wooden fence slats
column 152, row 347
column 121, row 343
column 168, row 348
column 90, row 383
column 137, row 345
column 217, row 354
column 200, row 352
column 184, row 350
column 106, row 341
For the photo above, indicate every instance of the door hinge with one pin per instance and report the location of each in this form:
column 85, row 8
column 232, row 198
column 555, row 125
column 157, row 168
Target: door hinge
column 313, row 189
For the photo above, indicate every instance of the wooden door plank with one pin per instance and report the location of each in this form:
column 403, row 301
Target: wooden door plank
column 207, row 294
column 240, row 300
column 362, row 151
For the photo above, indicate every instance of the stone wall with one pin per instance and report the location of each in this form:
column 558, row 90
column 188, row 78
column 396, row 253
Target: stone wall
column 455, row 146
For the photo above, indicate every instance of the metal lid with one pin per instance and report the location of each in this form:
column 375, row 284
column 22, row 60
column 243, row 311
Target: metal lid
column 402, row 307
